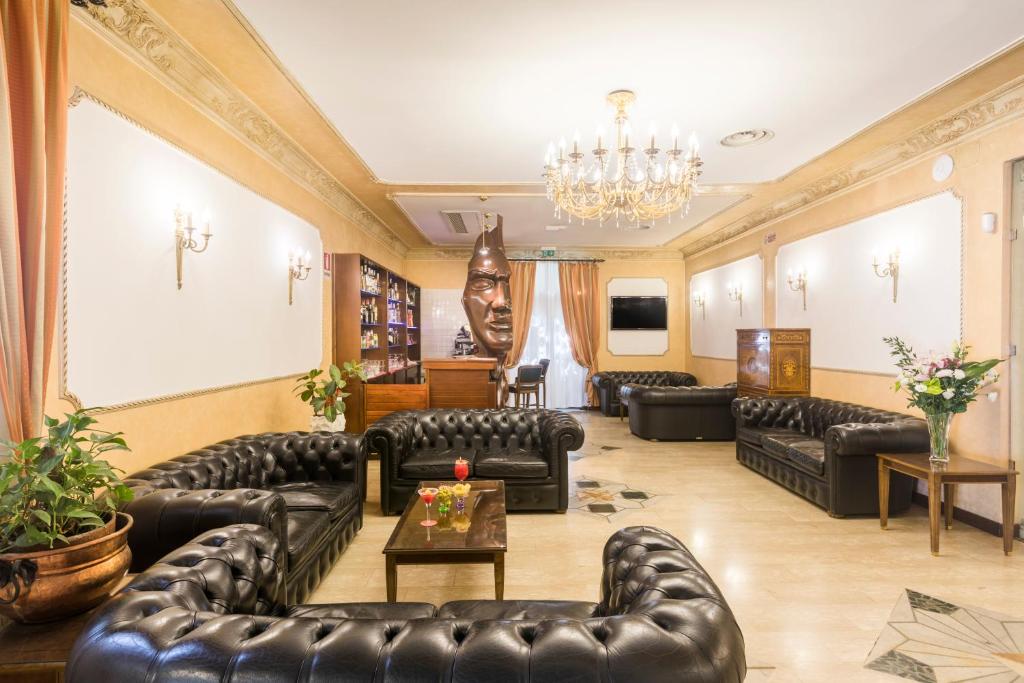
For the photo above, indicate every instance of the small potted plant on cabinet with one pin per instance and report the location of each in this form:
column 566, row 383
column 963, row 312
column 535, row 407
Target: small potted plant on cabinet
column 63, row 543
column 326, row 395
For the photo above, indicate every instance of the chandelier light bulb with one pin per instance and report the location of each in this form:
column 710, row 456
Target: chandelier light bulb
column 675, row 136
column 694, row 145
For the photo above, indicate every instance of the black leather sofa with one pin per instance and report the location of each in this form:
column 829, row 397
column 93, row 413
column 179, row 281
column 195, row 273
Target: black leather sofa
column 608, row 383
column 213, row 610
column 680, row 413
column 825, row 450
column 528, row 449
column 306, row 487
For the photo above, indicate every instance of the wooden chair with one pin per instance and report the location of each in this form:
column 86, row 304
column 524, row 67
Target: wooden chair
column 544, row 363
column 528, row 381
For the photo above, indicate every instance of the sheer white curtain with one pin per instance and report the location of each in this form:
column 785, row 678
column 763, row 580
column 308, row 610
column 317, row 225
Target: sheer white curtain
column 548, row 339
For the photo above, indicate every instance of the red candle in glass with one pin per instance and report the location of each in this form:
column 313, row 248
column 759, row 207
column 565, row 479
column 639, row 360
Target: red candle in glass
column 461, row 469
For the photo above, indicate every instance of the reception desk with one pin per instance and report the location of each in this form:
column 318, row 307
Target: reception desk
column 461, row 382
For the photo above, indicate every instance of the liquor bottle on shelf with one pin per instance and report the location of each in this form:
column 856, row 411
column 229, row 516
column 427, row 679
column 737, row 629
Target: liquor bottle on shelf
column 409, row 320
column 411, row 298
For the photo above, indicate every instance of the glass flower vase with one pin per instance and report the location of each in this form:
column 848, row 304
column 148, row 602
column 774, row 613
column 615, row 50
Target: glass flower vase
column 938, row 436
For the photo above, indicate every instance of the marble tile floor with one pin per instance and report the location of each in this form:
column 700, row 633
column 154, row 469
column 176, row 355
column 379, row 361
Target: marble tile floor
column 811, row 593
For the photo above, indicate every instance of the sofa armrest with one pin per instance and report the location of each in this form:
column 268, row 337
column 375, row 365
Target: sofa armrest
column 603, row 380
column 165, row 519
column 764, row 412
column 559, row 432
column 903, row 436
column 683, row 379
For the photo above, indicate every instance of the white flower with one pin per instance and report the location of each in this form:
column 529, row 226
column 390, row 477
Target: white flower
column 947, row 394
column 919, row 388
column 959, row 374
column 945, row 372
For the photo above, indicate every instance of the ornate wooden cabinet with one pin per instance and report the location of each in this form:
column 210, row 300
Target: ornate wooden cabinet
column 773, row 362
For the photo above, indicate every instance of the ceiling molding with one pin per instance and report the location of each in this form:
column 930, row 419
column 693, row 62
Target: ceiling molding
column 997, row 107
column 138, row 32
column 606, row 253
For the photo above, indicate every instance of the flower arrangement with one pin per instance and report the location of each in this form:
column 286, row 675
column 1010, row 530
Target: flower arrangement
column 940, row 386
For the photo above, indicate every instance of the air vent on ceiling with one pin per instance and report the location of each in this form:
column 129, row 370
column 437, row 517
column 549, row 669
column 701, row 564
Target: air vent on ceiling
column 462, row 222
column 747, row 137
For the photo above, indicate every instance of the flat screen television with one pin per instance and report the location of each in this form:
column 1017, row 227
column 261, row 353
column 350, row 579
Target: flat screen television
column 639, row 313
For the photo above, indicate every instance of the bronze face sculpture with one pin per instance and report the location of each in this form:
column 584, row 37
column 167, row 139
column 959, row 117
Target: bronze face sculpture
column 488, row 302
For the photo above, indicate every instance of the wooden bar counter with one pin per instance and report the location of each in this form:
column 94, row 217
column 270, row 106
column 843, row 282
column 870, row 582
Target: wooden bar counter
column 461, row 382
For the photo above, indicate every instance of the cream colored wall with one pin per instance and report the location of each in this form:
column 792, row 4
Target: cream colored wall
column 980, row 178
column 166, row 429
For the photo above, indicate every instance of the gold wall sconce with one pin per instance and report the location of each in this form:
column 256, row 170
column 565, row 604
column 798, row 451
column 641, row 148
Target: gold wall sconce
column 798, row 283
column 185, row 237
column 700, row 300
column 298, row 269
column 736, row 294
column 890, row 269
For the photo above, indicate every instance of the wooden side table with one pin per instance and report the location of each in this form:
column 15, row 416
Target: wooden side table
column 38, row 652
column 943, row 479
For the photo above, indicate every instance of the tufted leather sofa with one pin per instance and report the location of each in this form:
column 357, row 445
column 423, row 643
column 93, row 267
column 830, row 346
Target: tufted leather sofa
column 608, row 383
column 825, row 450
column 528, row 449
column 680, row 413
column 306, row 487
column 213, row 611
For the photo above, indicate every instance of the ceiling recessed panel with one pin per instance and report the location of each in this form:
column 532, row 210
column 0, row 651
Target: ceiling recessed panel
column 455, row 92
column 530, row 221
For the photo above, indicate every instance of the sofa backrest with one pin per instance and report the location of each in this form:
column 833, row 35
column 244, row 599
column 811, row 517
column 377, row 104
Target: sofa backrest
column 810, row 415
column 466, row 431
column 653, row 378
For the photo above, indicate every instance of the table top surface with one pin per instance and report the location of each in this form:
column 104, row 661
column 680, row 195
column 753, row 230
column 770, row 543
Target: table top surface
column 39, row 644
column 957, row 465
column 481, row 527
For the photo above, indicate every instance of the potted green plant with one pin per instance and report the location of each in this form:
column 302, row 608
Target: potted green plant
column 326, row 394
column 63, row 543
column 940, row 386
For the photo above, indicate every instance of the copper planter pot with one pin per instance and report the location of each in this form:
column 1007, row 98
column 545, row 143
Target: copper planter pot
column 71, row 579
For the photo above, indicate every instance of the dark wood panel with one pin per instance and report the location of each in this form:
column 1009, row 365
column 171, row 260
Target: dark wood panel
column 773, row 362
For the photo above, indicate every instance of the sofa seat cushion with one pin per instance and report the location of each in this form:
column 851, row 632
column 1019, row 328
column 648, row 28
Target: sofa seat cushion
column 427, row 464
column 477, row 610
column 808, row 455
column 306, row 529
column 333, row 497
column 510, row 464
column 753, row 434
column 387, row 611
column 778, row 444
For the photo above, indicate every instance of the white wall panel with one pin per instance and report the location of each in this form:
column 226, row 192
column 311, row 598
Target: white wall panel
column 850, row 309
column 131, row 334
column 713, row 331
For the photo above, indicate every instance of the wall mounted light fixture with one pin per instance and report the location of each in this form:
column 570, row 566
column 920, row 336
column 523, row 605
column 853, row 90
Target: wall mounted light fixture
column 298, row 269
column 890, row 269
column 736, row 294
column 798, row 283
column 185, row 237
column 700, row 300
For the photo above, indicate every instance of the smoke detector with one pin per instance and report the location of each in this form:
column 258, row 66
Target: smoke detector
column 747, row 137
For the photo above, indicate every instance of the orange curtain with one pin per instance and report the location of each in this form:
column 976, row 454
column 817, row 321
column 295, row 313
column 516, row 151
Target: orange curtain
column 33, row 138
column 578, row 286
column 523, row 276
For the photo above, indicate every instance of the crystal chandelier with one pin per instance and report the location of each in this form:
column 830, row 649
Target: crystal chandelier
column 626, row 183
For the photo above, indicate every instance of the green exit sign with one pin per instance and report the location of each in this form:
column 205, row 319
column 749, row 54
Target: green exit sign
column 547, row 253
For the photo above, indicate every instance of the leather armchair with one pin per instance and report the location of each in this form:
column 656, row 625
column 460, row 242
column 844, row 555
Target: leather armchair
column 608, row 384
column 680, row 413
column 307, row 488
column 825, row 450
column 528, row 449
column 212, row 610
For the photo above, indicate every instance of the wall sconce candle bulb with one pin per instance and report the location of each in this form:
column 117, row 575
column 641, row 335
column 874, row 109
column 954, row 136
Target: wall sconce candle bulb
column 736, row 294
column 890, row 269
column 298, row 269
column 798, row 283
column 700, row 300
column 185, row 237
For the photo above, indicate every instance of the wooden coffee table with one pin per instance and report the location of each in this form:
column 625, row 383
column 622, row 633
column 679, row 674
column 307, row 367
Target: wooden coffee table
column 476, row 536
column 944, row 478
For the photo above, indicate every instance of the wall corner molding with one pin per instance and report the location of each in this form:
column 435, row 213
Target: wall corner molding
column 148, row 40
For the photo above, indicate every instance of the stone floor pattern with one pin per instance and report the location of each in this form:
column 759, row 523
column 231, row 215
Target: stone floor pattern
column 933, row 641
column 810, row 592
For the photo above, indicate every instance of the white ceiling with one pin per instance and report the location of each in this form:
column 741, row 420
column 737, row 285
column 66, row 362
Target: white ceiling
column 449, row 91
column 525, row 220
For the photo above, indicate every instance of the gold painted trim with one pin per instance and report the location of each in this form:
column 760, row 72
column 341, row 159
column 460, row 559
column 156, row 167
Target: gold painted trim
column 453, row 253
column 608, row 316
column 147, row 39
column 63, row 391
column 995, row 108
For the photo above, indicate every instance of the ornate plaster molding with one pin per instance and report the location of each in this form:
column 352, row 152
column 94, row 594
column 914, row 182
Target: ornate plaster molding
column 606, row 253
column 997, row 107
column 143, row 36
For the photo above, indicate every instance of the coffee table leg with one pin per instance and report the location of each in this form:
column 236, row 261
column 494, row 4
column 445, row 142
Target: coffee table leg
column 1009, row 494
column 950, row 495
column 934, row 505
column 883, row 494
column 499, row 576
column 391, row 577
